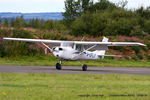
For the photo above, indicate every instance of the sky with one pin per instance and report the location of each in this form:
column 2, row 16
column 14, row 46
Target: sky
column 29, row 6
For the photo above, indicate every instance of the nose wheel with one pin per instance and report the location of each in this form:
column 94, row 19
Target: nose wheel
column 84, row 67
column 58, row 65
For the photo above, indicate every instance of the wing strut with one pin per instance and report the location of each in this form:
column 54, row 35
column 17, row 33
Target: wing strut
column 47, row 47
column 91, row 47
column 86, row 50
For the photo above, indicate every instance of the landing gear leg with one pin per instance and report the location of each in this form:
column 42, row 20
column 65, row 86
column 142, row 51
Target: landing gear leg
column 84, row 67
column 58, row 65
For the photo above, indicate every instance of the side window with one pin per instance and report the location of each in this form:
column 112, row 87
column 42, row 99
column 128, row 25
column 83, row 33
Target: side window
column 60, row 49
column 78, row 47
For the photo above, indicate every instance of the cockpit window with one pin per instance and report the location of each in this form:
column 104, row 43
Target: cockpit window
column 60, row 49
column 54, row 48
column 78, row 47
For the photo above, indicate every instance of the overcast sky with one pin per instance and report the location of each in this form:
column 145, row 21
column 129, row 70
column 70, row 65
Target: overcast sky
column 28, row 6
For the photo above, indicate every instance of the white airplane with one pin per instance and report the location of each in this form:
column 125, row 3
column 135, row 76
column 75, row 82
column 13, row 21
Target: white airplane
column 78, row 50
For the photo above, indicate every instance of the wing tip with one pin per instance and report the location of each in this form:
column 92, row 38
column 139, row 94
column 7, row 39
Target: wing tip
column 141, row 44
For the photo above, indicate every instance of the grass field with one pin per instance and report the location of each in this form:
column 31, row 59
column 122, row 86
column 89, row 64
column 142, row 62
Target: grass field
column 73, row 87
column 35, row 86
column 51, row 61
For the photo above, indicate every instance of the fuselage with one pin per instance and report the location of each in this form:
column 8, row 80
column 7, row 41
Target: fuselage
column 69, row 53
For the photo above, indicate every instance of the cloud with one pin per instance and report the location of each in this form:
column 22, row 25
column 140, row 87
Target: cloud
column 135, row 3
column 52, row 5
column 28, row 1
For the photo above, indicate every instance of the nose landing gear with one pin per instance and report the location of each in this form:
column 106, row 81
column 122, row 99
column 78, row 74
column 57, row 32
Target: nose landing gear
column 58, row 66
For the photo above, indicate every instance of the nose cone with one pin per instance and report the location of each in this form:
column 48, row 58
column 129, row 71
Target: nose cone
column 56, row 54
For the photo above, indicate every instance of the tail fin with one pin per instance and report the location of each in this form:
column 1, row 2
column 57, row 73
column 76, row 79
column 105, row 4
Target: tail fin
column 102, row 52
column 105, row 39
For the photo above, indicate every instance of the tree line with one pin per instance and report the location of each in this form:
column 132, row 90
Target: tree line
column 20, row 22
column 105, row 18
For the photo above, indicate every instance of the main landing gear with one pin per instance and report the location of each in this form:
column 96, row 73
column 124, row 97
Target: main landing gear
column 58, row 66
column 84, row 67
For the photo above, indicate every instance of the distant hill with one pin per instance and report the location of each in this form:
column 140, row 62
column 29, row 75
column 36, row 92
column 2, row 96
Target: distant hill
column 27, row 16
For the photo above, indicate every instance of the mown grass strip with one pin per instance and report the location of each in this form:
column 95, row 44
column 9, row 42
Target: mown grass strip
column 33, row 86
column 51, row 61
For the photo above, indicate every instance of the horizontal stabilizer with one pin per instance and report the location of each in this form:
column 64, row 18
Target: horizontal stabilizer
column 109, row 55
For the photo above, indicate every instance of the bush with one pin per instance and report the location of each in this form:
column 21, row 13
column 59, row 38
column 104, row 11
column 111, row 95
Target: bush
column 134, row 58
column 4, row 32
column 2, row 50
column 18, row 33
column 54, row 36
column 119, row 48
column 140, row 56
column 126, row 57
column 146, row 26
column 148, row 46
column 16, row 48
column 50, row 36
column 148, row 58
column 136, row 49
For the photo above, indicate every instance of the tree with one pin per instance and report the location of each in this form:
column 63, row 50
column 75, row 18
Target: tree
column 17, row 22
column 0, row 20
column 23, row 22
column 144, row 13
column 5, row 22
column 147, row 26
column 82, row 24
column 136, row 31
column 102, row 5
column 49, row 24
column 74, row 8
column 70, row 11
column 122, row 3
column 37, row 23
column 85, row 4
column 31, row 22
column 12, row 22
column 42, row 22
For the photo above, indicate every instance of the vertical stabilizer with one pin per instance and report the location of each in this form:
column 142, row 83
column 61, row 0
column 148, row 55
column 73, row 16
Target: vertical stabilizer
column 105, row 39
column 102, row 52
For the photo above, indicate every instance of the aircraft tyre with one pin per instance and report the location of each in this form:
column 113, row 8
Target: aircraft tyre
column 58, row 66
column 84, row 68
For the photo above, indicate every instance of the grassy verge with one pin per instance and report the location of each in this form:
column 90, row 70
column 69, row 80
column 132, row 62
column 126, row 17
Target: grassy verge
column 51, row 61
column 69, row 87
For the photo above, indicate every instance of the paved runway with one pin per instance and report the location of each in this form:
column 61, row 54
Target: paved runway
column 74, row 70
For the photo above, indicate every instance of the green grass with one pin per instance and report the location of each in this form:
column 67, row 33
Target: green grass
column 33, row 86
column 51, row 61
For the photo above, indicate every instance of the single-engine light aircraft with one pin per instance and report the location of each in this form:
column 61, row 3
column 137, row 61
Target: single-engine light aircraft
column 78, row 50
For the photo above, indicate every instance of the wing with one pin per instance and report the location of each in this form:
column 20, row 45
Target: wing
column 110, row 43
column 86, row 44
column 34, row 40
column 105, row 45
column 52, row 42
